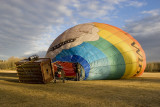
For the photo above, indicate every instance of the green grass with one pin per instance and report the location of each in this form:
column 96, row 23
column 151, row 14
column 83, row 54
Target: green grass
column 137, row 92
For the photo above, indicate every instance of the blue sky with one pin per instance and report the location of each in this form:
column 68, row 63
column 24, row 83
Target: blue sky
column 28, row 27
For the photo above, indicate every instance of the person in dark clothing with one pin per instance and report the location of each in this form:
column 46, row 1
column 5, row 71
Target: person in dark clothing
column 77, row 70
column 59, row 73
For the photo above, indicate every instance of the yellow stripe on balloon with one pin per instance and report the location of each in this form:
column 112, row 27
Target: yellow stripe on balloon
column 122, row 46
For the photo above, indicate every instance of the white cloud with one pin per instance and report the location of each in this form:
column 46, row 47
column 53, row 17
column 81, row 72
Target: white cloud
column 152, row 12
column 129, row 20
column 136, row 3
column 147, row 32
column 25, row 23
column 3, row 55
column 28, row 26
column 28, row 52
column 145, row 27
column 95, row 8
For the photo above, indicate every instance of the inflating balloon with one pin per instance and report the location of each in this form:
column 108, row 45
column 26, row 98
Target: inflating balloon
column 104, row 51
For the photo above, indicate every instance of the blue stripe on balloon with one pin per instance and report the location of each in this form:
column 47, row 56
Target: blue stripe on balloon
column 87, row 54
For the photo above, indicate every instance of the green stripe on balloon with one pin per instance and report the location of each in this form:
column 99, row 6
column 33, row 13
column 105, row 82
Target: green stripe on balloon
column 115, row 58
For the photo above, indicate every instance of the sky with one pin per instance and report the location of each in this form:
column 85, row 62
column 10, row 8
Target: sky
column 29, row 26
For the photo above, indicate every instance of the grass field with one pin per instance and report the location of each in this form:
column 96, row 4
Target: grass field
column 137, row 92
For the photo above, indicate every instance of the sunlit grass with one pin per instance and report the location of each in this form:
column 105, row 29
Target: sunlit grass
column 141, row 91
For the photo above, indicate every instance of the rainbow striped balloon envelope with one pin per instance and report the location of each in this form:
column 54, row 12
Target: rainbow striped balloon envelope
column 104, row 51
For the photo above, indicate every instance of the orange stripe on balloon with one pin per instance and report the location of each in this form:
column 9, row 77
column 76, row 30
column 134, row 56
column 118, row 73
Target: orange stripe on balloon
column 116, row 32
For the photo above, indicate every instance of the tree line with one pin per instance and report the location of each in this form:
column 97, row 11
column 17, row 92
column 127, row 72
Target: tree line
column 9, row 64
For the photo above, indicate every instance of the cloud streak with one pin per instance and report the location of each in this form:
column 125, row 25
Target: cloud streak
column 22, row 23
column 136, row 3
column 147, row 32
column 152, row 12
column 28, row 26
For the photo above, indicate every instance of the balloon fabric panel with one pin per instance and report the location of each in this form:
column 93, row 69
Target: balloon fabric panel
column 104, row 51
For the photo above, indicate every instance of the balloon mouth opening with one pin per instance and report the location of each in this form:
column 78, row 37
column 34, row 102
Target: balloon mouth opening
column 71, row 70
column 69, row 62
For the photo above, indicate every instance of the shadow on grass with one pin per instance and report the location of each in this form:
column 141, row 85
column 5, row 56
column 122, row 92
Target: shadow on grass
column 10, row 80
column 10, row 77
column 86, row 91
column 8, row 74
column 91, row 94
column 7, row 77
column 145, row 79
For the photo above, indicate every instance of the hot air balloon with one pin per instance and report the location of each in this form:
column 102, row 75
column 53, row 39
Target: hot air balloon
column 104, row 51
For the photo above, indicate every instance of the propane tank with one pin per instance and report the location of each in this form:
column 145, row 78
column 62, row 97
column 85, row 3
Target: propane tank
column 33, row 58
